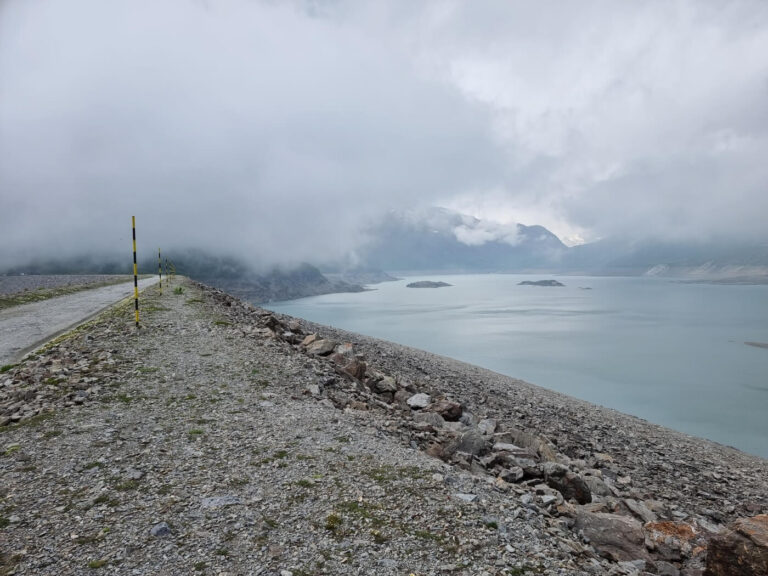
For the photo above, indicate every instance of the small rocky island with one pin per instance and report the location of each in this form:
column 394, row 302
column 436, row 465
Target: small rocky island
column 427, row 284
column 540, row 283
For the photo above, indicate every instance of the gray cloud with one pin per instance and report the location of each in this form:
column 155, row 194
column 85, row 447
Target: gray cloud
column 280, row 130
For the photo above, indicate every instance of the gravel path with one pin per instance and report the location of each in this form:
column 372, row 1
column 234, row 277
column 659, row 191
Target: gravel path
column 24, row 327
column 212, row 441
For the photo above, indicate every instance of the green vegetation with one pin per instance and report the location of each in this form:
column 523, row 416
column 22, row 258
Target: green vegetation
column 6, row 367
column 333, row 522
column 178, row 290
column 94, row 564
column 127, row 485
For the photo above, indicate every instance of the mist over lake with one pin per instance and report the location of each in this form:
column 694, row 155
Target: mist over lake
column 670, row 352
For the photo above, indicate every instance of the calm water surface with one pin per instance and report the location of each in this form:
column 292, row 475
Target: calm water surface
column 669, row 352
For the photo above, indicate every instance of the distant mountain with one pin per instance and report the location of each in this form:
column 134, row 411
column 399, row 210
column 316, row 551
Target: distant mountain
column 442, row 240
column 704, row 259
column 257, row 286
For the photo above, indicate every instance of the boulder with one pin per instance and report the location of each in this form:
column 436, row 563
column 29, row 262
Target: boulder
column 535, row 444
column 513, row 474
column 355, row 368
column 448, row 409
column 571, row 486
column 321, row 347
column 741, row 550
column 431, row 418
column 386, row 384
column 618, row 538
column 419, row 401
column 597, row 486
column 487, row 426
column 474, row 443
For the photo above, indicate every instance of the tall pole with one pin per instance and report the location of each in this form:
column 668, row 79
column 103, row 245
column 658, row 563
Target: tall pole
column 135, row 273
column 160, row 270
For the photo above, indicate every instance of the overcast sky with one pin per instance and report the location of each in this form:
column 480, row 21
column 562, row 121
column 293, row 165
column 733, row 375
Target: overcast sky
column 282, row 129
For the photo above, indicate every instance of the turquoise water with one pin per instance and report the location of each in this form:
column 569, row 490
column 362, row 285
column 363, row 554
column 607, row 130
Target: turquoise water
column 669, row 352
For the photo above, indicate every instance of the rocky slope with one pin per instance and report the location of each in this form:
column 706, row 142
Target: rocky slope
column 223, row 439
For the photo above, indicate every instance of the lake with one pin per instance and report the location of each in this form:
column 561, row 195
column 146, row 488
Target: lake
column 670, row 352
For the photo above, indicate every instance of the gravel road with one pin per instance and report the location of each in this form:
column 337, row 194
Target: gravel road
column 24, row 327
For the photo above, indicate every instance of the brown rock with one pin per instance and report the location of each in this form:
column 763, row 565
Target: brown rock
column 742, row 550
column 618, row 538
column 321, row 347
column 448, row 409
column 571, row 486
column 309, row 340
column 355, row 368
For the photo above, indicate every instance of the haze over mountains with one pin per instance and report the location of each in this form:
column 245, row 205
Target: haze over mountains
column 443, row 241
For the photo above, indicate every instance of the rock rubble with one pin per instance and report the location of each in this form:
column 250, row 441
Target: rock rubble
column 256, row 443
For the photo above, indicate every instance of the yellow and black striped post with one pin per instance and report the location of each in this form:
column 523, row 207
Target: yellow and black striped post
column 167, row 276
column 135, row 273
column 160, row 270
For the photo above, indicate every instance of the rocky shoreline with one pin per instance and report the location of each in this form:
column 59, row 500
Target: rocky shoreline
column 225, row 439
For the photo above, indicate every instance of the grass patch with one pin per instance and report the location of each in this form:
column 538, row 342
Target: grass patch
column 127, row 485
column 6, row 367
column 148, row 370
column 333, row 522
column 94, row 564
column 92, row 465
column 33, row 421
column 105, row 499
column 427, row 535
column 222, row 323
column 178, row 290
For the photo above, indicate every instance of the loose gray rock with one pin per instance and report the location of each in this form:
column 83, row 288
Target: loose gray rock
column 419, row 401
column 160, row 530
column 220, row 501
column 616, row 537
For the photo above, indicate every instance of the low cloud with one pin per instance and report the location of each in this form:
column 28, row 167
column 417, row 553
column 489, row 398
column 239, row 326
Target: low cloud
column 281, row 131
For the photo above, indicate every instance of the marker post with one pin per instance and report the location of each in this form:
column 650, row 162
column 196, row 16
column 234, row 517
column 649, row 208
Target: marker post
column 160, row 271
column 135, row 273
